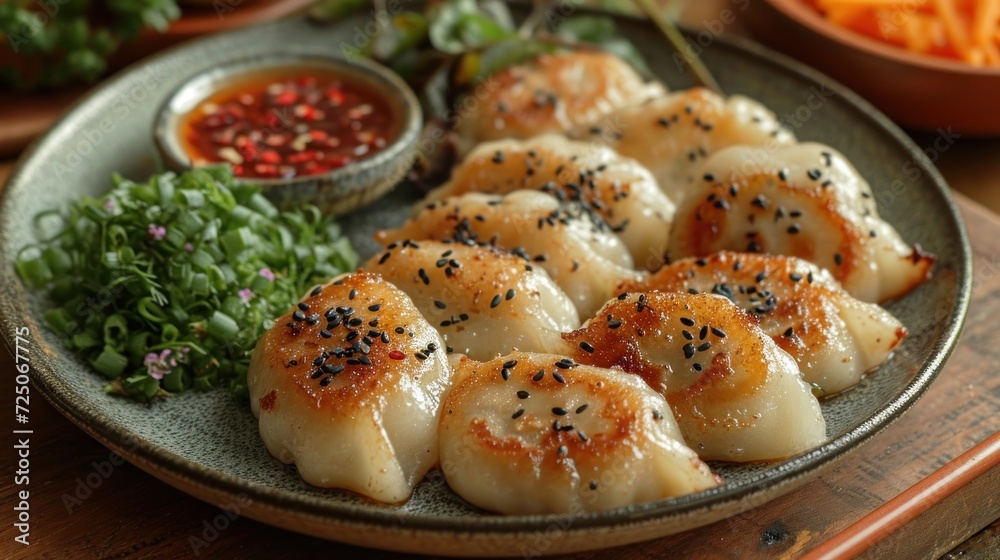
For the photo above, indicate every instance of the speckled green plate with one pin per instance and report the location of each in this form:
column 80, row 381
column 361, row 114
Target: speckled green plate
column 208, row 446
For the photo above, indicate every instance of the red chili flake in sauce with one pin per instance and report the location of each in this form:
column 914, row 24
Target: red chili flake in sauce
column 283, row 125
column 397, row 355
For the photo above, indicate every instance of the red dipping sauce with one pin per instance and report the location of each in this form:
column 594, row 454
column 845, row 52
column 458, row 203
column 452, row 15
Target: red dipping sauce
column 281, row 124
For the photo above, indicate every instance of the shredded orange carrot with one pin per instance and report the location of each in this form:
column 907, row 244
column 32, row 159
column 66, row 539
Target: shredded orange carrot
column 965, row 30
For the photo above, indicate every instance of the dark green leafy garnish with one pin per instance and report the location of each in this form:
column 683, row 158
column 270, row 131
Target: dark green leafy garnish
column 167, row 285
column 56, row 42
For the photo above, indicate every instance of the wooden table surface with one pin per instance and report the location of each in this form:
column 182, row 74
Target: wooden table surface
column 125, row 513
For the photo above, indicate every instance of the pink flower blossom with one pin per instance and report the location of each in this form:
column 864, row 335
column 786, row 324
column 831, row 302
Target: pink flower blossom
column 266, row 273
column 157, row 232
column 109, row 204
column 160, row 364
column 189, row 247
column 246, row 294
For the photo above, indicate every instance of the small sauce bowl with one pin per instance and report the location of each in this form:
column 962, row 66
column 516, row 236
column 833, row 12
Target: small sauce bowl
column 314, row 129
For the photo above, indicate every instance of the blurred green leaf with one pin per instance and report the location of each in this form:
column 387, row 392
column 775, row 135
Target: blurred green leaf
column 406, row 31
column 602, row 32
column 331, row 10
column 477, row 65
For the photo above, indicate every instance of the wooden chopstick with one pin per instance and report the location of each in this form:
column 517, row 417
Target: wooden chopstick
column 932, row 516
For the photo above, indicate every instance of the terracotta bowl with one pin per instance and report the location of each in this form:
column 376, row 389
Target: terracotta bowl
column 915, row 90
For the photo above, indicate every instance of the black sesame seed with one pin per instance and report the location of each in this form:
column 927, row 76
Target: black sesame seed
column 614, row 324
column 587, row 347
column 703, row 333
column 325, row 333
column 303, row 306
column 593, row 485
column 353, row 294
column 697, row 366
column 510, row 294
column 423, row 276
column 872, row 233
column 838, row 259
column 760, row 277
column 689, row 351
column 498, row 157
column 783, row 174
column 558, row 377
column 583, row 436
column 384, row 258
column 298, row 315
column 708, row 177
column 439, row 304
column 718, row 332
column 517, row 414
column 687, row 335
column 495, row 301
column 814, row 174
column 505, row 374
column 795, row 277
column 809, row 277
column 657, row 415
column 374, row 308
column 400, row 330
column 326, row 380
column 562, row 450
column 317, row 374
column 789, row 333
column 687, row 321
column 316, row 291
column 705, row 346
column 384, row 337
column 560, row 411
column 312, row 320
column 523, row 394
column 794, row 228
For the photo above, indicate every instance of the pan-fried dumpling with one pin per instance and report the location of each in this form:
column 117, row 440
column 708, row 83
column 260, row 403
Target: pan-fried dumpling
column 618, row 189
column 484, row 302
column 538, row 433
column 577, row 249
column 672, row 135
column 833, row 337
column 348, row 387
column 736, row 395
column 804, row 201
column 551, row 93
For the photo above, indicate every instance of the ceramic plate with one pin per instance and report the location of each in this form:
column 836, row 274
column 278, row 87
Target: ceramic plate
column 207, row 445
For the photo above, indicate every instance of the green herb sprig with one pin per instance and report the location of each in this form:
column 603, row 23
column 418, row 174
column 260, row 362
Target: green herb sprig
column 166, row 285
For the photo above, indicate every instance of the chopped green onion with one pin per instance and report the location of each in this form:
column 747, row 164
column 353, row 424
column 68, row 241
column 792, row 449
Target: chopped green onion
column 189, row 263
column 110, row 363
column 222, row 327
